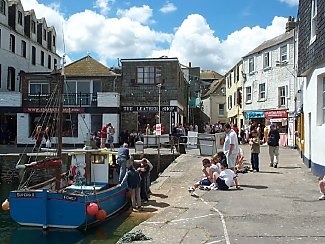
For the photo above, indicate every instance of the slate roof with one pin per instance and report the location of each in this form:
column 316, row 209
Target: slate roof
column 272, row 42
column 214, row 87
column 88, row 67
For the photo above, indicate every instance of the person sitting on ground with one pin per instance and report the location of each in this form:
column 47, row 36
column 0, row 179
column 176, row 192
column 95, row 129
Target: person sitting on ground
column 215, row 163
column 206, row 181
column 225, row 179
column 322, row 188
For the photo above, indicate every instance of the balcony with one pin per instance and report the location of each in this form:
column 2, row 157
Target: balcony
column 69, row 100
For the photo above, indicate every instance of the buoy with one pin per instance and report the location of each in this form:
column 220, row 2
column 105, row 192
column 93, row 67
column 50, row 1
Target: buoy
column 128, row 195
column 101, row 215
column 70, row 182
column 92, row 208
column 5, row 205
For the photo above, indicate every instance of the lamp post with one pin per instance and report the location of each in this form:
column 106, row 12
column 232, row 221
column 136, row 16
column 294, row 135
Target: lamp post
column 159, row 122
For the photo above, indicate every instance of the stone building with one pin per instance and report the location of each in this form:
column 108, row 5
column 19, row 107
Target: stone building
column 27, row 44
column 139, row 91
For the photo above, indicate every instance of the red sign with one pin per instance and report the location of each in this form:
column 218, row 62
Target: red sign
column 158, row 129
column 53, row 110
column 275, row 114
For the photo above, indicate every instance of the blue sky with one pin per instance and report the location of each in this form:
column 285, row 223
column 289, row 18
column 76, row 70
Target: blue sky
column 211, row 34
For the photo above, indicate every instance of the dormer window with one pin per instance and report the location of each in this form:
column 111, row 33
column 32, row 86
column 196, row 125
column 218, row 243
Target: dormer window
column 44, row 34
column 20, row 18
column 33, row 26
column 3, row 7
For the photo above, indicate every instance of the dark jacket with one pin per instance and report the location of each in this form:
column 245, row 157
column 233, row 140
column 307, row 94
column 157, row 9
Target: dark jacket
column 123, row 153
column 133, row 179
column 274, row 133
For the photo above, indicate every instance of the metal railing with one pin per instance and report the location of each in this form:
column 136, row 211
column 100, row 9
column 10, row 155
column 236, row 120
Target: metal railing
column 69, row 99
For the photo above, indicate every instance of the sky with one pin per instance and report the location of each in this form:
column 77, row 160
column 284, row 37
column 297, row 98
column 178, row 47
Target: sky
column 211, row 34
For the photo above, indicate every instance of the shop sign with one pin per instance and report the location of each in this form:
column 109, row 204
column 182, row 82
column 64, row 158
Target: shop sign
column 53, row 110
column 276, row 114
column 149, row 109
column 254, row 115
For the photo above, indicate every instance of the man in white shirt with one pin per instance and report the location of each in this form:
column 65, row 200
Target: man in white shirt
column 230, row 146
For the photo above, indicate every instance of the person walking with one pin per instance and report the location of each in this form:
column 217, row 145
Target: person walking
column 110, row 136
column 123, row 155
column 273, row 143
column 38, row 136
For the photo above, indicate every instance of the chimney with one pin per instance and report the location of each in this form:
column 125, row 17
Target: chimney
column 291, row 24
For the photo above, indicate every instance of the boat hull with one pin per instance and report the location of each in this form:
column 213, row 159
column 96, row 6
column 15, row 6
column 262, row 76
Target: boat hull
column 63, row 209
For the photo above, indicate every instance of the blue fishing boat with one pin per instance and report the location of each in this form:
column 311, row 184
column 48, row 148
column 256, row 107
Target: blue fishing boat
column 87, row 193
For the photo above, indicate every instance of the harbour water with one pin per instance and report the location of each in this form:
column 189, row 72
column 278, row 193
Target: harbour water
column 108, row 232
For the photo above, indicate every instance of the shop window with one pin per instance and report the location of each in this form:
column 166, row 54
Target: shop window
column 69, row 125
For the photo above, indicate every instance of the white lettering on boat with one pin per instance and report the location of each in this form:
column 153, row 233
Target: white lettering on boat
column 69, row 198
column 25, row 194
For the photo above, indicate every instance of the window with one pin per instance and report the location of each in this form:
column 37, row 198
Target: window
column 222, row 109
column 77, row 93
column 283, row 53
column 229, row 102
column 23, row 49
column 248, row 94
column 20, row 18
column 44, row 34
column 42, row 58
column 38, row 88
column 235, row 98
column 148, row 75
column 266, row 60
column 53, row 41
column 282, row 96
column 33, row 26
column 49, row 62
column 250, row 65
column 0, row 74
column 313, row 20
column 261, row 91
column 11, row 79
column 55, row 63
column 3, row 7
column 33, row 55
column 12, row 42
column 323, row 103
column 237, row 73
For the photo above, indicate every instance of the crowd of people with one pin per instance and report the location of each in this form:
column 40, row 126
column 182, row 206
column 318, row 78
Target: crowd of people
column 221, row 171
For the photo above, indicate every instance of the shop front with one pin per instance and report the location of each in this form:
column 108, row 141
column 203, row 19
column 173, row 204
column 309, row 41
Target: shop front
column 280, row 119
column 254, row 117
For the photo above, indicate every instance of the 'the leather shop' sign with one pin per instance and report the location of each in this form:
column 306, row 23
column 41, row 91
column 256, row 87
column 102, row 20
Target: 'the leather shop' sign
column 149, row 109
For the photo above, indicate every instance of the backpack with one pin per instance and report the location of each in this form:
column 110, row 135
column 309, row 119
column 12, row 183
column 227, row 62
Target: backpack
column 271, row 140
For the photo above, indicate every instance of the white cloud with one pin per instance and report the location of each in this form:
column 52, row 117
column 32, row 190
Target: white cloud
column 139, row 14
column 168, row 7
column 103, row 5
column 290, row 2
column 129, row 36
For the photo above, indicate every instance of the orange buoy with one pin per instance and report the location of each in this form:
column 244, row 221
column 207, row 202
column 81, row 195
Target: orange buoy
column 101, row 215
column 128, row 195
column 5, row 205
column 92, row 208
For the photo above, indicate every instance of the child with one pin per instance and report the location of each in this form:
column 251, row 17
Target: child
column 206, row 181
column 215, row 163
column 322, row 188
column 255, row 150
column 225, row 179
column 133, row 180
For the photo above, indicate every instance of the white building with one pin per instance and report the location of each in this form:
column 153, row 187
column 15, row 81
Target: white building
column 311, row 66
column 269, row 85
column 27, row 44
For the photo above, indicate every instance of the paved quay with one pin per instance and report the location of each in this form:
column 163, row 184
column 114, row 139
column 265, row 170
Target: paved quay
column 276, row 205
